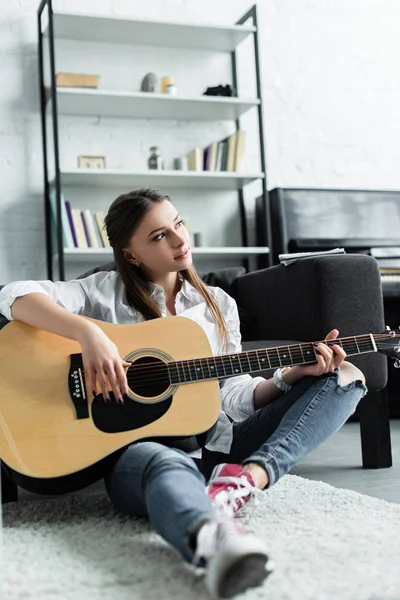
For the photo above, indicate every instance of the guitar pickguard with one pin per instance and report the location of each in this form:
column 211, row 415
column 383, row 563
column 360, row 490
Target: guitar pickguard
column 112, row 417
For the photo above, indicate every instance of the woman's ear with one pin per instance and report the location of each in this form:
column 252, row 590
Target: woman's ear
column 129, row 256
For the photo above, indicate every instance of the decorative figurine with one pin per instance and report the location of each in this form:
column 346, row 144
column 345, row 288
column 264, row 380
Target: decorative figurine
column 149, row 83
column 155, row 159
column 220, row 90
column 168, row 86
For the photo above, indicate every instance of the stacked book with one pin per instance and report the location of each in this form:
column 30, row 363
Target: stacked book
column 81, row 228
column 225, row 155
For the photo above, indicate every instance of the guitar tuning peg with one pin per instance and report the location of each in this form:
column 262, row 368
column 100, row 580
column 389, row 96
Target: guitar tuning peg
column 387, row 328
column 396, row 364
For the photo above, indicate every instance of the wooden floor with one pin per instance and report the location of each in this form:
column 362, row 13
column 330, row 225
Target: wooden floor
column 337, row 462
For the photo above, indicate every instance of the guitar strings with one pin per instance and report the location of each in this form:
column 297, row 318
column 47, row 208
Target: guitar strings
column 161, row 373
column 294, row 350
column 138, row 374
column 162, row 369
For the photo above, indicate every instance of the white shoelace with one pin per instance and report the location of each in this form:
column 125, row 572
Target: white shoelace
column 226, row 500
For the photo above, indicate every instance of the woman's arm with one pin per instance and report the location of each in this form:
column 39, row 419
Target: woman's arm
column 100, row 355
column 40, row 311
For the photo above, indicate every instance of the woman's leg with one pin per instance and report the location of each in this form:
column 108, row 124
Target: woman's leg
column 280, row 434
column 164, row 485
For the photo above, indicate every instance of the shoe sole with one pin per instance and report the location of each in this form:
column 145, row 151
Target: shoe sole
column 249, row 571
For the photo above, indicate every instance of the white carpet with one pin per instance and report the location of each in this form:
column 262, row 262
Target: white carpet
column 326, row 543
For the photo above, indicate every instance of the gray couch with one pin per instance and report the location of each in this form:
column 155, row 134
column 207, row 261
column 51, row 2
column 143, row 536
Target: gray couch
column 303, row 302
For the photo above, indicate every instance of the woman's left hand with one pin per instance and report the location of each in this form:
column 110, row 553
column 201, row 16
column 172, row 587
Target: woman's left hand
column 328, row 358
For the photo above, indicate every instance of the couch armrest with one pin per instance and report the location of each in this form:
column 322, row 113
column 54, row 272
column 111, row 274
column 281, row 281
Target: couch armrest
column 307, row 299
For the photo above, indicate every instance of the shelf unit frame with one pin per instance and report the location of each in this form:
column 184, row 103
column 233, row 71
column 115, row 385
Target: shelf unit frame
column 48, row 99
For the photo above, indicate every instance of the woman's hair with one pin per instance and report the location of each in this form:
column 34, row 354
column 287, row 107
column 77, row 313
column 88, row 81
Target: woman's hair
column 123, row 218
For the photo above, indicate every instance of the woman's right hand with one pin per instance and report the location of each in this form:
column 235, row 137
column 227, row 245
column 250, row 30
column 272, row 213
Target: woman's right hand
column 102, row 363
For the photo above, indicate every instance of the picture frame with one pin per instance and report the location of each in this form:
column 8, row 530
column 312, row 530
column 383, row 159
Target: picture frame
column 91, row 162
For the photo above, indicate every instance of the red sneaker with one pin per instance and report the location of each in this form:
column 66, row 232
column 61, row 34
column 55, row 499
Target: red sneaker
column 230, row 487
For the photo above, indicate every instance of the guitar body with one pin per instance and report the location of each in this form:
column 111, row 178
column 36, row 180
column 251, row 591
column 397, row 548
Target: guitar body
column 44, row 435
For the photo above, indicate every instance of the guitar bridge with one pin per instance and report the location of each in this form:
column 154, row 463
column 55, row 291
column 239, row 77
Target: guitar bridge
column 76, row 386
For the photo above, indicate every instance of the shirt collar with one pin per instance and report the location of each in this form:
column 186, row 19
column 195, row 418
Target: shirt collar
column 186, row 289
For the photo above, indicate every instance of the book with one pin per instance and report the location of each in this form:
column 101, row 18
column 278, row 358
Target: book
column 231, row 151
column 206, row 159
column 213, row 156
column 99, row 218
column 239, row 154
column 224, row 144
column 85, row 229
column 78, row 225
column 195, row 159
column 219, row 156
column 288, row 259
column 88, row 224
column 71, row 223
column 97, row 231
column 77, row 80
column 68, row 240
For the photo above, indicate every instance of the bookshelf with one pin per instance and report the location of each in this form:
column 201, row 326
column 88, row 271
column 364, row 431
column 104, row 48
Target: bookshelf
column 112, row 178
column 54, row 25
column 150, row 105
column 89, row 254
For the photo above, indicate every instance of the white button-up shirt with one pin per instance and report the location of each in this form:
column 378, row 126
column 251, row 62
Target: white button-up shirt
column 102, row 296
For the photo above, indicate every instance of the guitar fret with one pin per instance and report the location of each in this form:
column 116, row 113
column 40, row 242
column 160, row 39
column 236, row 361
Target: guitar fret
column 186, row 370
column 231, row 365
column 192, row 370
column 198, row 369
column 283, row 354
column 227, row 363
column 258, row 359
column 253, row 360
column 208, row 371
column 236, row 365
column 302, row 353
column 290, row 356
column 181, row 372
column 273, row 357
column 309, row 352
column 218, row 367
column 244, row 362
column 173, row 373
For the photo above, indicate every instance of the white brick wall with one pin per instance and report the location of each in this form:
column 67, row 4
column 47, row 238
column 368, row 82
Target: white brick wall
column 331, row 99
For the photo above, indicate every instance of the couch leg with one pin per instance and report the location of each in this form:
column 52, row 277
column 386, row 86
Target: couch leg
column 375, row 430
column 9, row 491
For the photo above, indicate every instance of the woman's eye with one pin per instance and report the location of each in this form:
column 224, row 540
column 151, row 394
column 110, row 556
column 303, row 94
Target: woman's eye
column 161, row 235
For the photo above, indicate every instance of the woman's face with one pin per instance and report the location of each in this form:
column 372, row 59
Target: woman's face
column 161, row 243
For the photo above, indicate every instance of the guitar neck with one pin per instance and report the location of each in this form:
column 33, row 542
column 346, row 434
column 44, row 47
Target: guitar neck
column 250, row 361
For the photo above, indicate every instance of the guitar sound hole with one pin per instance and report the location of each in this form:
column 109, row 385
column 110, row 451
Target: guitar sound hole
column 148, row 377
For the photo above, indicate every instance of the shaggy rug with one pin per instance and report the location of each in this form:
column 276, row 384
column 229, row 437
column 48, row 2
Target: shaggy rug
column 326, row 543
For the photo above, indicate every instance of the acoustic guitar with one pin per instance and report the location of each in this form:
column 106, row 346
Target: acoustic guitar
column 52, row 426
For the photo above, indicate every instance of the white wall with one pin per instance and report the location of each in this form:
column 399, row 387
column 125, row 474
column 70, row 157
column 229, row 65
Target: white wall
column 331, row 100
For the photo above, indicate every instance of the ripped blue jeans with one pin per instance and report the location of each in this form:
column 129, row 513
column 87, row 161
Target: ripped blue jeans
column 166, row 486
column 280, row 434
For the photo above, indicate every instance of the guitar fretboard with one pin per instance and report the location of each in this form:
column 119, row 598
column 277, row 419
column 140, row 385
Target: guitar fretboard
column 222, row 366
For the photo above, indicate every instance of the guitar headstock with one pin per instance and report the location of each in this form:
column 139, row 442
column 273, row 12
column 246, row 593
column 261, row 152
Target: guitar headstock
column 388, row 343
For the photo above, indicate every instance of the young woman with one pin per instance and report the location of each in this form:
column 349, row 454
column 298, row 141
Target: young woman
column 264, row 428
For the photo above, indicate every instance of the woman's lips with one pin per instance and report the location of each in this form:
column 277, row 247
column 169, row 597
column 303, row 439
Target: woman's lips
column 185, row 255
